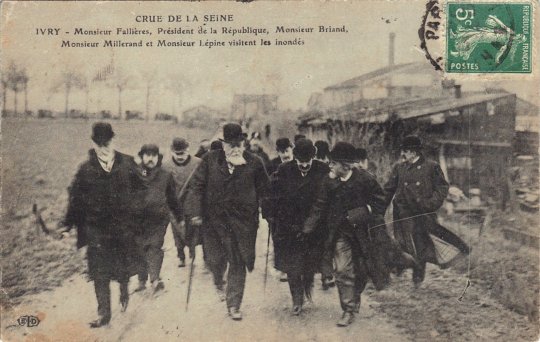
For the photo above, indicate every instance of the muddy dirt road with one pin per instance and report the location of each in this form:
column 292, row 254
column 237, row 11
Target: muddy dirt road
column 65, row 311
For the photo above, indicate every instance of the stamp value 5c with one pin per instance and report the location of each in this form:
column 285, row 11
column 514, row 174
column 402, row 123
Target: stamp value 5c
column 488, row 38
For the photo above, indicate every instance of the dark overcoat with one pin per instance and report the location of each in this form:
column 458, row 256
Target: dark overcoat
column 335, row 201
column 418, row 191
column 228, row 203
column 293, row 196
column 100, row 206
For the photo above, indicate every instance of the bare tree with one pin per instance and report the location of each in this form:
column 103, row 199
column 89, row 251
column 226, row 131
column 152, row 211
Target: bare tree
column 120, row 81
column 149, row 77
column 4, row 80
column 24, row 81
column 69, row 79
column 178, row 84
column 14, row 83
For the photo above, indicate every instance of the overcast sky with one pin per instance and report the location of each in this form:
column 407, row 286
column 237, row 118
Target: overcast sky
column 214, row 75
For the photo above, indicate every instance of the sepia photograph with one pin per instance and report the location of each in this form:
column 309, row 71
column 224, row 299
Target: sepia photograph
column 362, row 170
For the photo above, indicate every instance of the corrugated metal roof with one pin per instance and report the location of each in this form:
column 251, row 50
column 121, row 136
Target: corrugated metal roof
column 417, row 108
column 391, row 69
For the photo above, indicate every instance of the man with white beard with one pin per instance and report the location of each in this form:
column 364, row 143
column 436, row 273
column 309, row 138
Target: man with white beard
column 225, row 193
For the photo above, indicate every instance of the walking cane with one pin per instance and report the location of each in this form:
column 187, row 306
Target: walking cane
column 267, row 253
column 191, row 267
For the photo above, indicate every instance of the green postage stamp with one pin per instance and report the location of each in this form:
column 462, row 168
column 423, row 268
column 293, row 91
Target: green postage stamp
column 488, row 37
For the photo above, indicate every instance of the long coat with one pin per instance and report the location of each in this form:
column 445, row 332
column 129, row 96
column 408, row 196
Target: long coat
column 100, row 207
column 293, row 196
column 335, row 201
column 228, row 203
column 418, row 191
column 155, row 198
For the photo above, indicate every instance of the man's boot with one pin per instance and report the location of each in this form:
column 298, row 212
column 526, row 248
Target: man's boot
column 235, row 314
column 346, row 319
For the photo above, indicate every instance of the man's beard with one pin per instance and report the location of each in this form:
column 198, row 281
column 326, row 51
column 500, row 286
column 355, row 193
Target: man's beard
column 149, row 165
column 235, row 157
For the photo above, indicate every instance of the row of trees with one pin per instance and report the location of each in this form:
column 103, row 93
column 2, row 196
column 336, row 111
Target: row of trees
column 16, row 79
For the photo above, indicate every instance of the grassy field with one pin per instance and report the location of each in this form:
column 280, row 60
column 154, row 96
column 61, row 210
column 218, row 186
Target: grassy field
column 39, row 160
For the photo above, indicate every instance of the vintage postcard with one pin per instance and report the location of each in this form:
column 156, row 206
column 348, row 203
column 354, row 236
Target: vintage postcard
column 270, row 170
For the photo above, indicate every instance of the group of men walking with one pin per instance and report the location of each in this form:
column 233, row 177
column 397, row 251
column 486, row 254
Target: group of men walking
column 325, row 213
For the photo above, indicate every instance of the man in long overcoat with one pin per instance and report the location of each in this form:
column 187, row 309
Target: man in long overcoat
column 418, row 189
column 181, row 165
column 157, row 199
column 99, row 206
column 352, row 203
column 294, row 187
column 225, row 192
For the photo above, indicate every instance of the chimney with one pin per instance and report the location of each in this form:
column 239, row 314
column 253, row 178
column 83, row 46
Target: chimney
column 457, row 91
column 392, row 38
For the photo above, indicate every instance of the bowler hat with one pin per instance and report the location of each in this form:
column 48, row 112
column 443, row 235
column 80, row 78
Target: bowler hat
column 282, row 144
column 232, row 132
column 102, row 132
column 179, row 144
column 344, row 152
column 149, row 149
column 411, row 142
column 304, row 150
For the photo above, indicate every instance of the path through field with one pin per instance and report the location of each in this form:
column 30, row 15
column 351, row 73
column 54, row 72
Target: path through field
column 66, row 311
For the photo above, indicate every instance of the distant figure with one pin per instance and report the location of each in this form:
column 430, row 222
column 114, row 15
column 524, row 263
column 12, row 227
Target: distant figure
column 255, row 147
column 298, row 137
column 181, row 165
column 323, row 150
column 157, row 198
column 216, row 145
column 284, row 149
column 99, row 206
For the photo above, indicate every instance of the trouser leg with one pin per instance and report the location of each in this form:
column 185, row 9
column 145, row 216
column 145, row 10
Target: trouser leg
column 327, row 266
column 179, row 238
column 307, row 282
column 216, row 258
column 296, row 286
column 345, row 276
column 103, row 296
column 361, row 278
column 236, row 281
column 154, row 260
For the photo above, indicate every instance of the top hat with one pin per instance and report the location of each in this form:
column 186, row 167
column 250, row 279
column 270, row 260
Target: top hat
column 283, row 143
column 344, row 152
column 149, row 149
column 304, row 150
column 232, row 133
column 102, row 132
column 411, row 142
column 179, row 144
